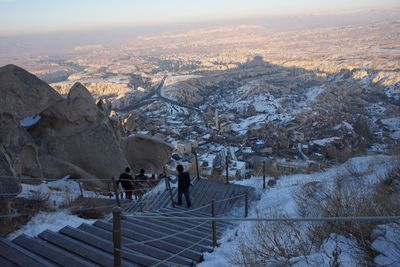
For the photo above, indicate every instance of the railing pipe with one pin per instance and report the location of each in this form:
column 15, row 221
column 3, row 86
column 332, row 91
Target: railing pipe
column 213, row 224
column 197, row 165
column 263, row 174
column 246, row 204
column 116, row 191
column 171, row 195
column 226, row 169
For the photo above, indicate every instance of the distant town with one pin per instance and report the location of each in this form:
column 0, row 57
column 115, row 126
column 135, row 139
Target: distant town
column 280, row 102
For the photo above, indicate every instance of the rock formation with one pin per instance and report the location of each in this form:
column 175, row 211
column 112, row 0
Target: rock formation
column 69, row 135
column 23, row 94
column 145, row 152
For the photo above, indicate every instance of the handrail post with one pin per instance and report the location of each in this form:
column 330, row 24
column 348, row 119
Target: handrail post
column 246, row 204
column 164, row 171
column 117, row 236
column 116, row 192
column 197, row 165
column 140, row 204
column 226, row 168
column 109, row 189
column 171, row 195
column 213, row 224
column 166, row 183
column 80, row 188
column 263, row 174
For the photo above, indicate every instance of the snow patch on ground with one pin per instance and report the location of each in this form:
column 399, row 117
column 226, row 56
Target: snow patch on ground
column 59, row 192
column 53, row 221
column 325, row 141
column 314, row 92
column 158, row 189
column 336, row 249
column 393, row 124
column 387, row 244
column 265, row 103
column 393, row 92
column 280, row 200
column 245, row 124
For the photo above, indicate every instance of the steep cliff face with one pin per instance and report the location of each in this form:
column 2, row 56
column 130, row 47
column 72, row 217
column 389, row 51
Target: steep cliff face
column 43, row 134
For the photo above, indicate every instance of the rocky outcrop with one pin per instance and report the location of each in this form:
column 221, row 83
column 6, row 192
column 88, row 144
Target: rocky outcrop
column 75, row 135
column 97, row 89
column 145, row 152
column 71, row 135
column 119, row 95
column 23, row 94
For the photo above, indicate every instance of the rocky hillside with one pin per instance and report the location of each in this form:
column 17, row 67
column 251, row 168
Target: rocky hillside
column 45, row 134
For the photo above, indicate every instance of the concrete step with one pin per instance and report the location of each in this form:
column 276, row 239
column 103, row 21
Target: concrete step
column 203, row 226
column 130, row 237
column 6, row 263
column 83, row 250
column 18, row 256
column 50, row 252
column 177, row 227
column 189, row 223
column 140, row 254
column 163, row 231
column 106, row 245
column 152, row 234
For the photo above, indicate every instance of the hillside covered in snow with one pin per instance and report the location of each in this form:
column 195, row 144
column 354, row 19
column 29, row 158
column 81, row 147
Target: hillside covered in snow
column 363, row 186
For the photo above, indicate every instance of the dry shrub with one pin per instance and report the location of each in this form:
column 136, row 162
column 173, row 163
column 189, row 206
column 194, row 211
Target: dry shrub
column 362, row 127
column 24, row 208
column 350, row 197
column 309, row 197
column 277, row 242
column 272, row 170
column 272, row 242
column 39, row 197
column 351, row 171
column 395, row 151
column 387, row 193
column 347, row 202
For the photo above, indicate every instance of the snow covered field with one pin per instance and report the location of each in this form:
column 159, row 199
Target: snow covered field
column 57, row 193
column 53, row 221
column 280, row 201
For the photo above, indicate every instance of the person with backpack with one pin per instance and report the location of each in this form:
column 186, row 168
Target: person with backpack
column 126, row 180
column 183, row 186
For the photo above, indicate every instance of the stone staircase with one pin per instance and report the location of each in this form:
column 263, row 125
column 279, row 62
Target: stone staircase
column 201, row 194
column 145, row 241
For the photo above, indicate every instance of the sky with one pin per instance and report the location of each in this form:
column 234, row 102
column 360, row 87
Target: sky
column 46, row 16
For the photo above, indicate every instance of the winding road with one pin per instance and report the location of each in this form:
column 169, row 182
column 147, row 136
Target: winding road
column 156, row 95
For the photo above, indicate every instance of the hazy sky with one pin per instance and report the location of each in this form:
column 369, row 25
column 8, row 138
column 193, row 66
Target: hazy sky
column 40, row 16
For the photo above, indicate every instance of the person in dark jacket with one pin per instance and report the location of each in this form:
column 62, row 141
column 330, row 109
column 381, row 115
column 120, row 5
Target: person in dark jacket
column 141, row 177
column 141, row 184
column 126, row 181
column 183, row 186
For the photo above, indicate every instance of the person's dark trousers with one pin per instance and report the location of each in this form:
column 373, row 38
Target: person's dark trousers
column 128, row 194
column 187, row 197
